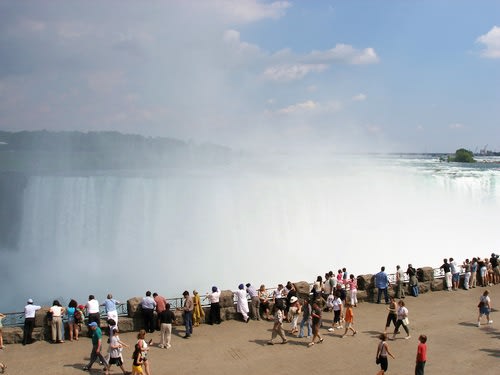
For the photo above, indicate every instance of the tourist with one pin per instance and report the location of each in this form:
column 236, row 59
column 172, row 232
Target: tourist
column 188, row 314
column 72, row 324
column 392, row 316
column 421, row 355
column 447, row 274
column 293, row 314
column 403, row 320
column 412, row 274
column 382, row 283
column 306, row 319
column 337, row 311
column 327, row 286
column 144, row 346
column 455, row 273
column 242, row 302
column 317, row 289
column 29, row 321
column 137, row 360
column 96, row 348
column 382, row 353
column 339, row 276
column 400, row 276
column 291, row 292
column 353, row 290
column 345, row 276
column 316, row 321
column 198, row 312
column 93, row 312
column 148, row 305
column 167, row 318
column 473, row 273
column 483, row 268
column 214, row 314
column 110, row 305
column 349, row 320
column 254, row 301
column 115, row 353
column 467, row 273
column 278, row 323
column 57, row 311
column 279, row 292
column 1, row 334
column 495, row 268
column 484, row 308
column 161, row 302
column 264, row 302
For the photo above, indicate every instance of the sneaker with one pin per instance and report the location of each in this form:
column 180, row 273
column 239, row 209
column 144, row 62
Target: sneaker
column 407, row 337
column 85, row 368
column 270, row 343
column 478, row 324
column 331, row 329
column 490, row 321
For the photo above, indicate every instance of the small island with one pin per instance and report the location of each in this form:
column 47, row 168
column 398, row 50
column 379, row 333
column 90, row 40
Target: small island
column 462, row 156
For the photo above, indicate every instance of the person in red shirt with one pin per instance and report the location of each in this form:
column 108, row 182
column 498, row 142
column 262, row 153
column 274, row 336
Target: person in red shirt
column 421, row 355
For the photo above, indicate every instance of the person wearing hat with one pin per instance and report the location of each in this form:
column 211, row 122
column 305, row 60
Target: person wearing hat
column 96, row 348
column 29, row 321
column 214, row 314
column 242, row 302
column 293, row 314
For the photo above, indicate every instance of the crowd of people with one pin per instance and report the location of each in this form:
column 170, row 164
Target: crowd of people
column 334, row 294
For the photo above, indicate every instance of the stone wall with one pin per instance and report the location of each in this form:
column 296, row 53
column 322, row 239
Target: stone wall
column 367, row 292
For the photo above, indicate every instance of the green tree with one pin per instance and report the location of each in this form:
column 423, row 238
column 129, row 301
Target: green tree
column 462, row 156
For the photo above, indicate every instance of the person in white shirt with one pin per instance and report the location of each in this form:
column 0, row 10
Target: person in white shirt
column 57, row 311
column 29, row 321
column 214, row 314
column 93, row 312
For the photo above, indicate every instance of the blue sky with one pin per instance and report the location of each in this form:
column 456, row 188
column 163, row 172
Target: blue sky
column 399, row 76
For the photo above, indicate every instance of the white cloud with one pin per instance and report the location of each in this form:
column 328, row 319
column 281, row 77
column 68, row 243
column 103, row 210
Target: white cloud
column 290, row 72
column 232, row 38
column 344, row 53
column 491, row 42
column 245, row 11
column 456, row 126
column 306, row 106
column 359, row 97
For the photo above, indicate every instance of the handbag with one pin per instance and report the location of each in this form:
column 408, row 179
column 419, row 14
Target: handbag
column 406, row 321
column 377, row 360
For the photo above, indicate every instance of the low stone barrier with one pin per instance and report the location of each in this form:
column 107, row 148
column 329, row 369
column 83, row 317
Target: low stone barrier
column 367, row 292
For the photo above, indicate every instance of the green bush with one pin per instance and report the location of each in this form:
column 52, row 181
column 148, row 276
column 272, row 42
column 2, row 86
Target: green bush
column 462, row 156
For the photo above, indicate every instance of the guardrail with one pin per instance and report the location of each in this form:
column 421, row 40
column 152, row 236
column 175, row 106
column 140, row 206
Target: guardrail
column 16, row 319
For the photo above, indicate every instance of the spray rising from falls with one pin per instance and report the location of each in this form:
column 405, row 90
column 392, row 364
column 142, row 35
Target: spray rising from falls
column 258, row 221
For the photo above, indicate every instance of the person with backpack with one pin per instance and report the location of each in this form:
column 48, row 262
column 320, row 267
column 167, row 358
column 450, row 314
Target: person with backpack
column 73, row 326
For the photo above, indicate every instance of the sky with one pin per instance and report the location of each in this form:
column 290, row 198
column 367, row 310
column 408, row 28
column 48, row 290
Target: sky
column 335, row 76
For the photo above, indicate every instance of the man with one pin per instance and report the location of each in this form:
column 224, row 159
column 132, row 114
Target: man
column 447, row 273
column 455, row 273
column 382, row 282
column 161, row 305
column 148, row 305
column 96, row 348
column 29, row 321
column 93, row 313
column 214, row 315
column 400, row 291
column 188, row 314
column 254, row 301
column 110, row 308
column 412, row 274
column 495, row 267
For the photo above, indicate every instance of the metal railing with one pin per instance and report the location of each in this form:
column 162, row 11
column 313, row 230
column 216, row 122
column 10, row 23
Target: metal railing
column 16, row 319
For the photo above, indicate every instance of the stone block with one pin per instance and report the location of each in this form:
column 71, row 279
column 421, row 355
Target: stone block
column 425, row 274
column 303, row 288
column 134, row 307
column 364, row 281
column 437, row 285
column 226, row 299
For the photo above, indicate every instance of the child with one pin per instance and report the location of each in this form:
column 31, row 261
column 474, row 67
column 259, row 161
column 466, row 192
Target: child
column 421, row 355
column 278, row 323
column 115, row 350
column 137, row 357
column 349, row 320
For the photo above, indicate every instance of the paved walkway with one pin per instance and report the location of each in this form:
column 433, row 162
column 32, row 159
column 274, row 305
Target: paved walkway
column 455, row 345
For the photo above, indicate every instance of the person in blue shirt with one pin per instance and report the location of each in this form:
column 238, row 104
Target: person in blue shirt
column 382, row 283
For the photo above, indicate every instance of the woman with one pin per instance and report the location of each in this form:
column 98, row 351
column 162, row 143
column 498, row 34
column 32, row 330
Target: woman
column 278, row 323
column 57, row 311
column 392, row 316
column 382, row 353
column 353, row 290
column 402, row 320
column 144, row 350
column 242, row 302
column 484, row 308
column 198, row 313
column 316, row 320
column 412, row 274
column 293, row 314
column 264, row 302
column 317, row 289
column 72, row 325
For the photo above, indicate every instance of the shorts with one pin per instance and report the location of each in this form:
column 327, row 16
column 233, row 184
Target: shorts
column 137, row 369
column 116, row 361
column 484, row 310
column 455, row 277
